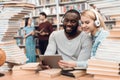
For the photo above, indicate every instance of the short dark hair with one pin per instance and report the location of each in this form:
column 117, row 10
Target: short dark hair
column 73, row 11
column 44, row 14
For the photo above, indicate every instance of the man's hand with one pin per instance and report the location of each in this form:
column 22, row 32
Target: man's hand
column 67, row 64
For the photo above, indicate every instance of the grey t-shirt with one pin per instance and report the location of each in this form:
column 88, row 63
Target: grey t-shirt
column 77, row 49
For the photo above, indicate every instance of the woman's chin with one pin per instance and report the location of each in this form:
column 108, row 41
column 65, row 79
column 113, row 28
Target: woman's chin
column 87, row 31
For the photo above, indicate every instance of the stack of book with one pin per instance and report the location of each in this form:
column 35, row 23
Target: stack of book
column 104, row 69
column 14, row 54
column 106, row 63
column 10, row 16
column 25, row 69
column 76, row 73
column 109, row 50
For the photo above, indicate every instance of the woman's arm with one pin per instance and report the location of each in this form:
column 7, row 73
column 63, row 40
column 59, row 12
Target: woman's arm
column 31, row 33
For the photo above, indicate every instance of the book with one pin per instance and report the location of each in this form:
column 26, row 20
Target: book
column 103, row 72
column 78, row 73
column 16, row 70
column 30, row 66
column 105, row 77
column 104, row 68
column 104, row 63
column 51, row 73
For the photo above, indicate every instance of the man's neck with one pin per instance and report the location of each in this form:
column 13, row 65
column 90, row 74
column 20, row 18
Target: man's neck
column 72, row 36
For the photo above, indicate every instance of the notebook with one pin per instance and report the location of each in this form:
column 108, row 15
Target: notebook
column 50, row 60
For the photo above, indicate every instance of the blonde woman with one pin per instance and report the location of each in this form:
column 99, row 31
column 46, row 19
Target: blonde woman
column 92, row 22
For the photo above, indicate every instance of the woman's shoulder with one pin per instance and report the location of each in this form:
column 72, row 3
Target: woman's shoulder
column 103, row 35
column 104, row 32
column 24, row 28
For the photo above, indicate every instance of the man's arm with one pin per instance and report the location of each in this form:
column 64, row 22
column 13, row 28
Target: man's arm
column 85, row 53
column 51, row 48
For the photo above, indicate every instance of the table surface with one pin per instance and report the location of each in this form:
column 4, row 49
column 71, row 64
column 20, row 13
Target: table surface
column 26, row 75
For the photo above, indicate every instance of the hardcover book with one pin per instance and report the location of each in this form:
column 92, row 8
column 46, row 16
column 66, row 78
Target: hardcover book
column 51, row 73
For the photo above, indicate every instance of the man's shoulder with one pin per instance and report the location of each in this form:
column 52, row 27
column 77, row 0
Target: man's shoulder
column 58, row 32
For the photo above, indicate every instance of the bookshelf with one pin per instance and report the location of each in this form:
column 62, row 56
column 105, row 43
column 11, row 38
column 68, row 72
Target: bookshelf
column 55, row 9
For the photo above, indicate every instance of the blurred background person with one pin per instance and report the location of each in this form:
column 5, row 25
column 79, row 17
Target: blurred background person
column 29, row 41
column 44, row 29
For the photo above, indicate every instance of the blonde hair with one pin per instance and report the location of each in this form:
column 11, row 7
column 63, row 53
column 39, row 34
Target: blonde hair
column 89, row 13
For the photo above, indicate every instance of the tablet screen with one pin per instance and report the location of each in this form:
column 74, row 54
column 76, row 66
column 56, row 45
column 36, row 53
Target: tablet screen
column 50, row 60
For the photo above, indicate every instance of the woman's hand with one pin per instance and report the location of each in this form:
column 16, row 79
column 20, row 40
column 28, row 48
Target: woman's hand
column 67, row 64
column 25, row 36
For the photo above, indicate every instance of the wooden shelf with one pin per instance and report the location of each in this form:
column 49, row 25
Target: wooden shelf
column 46, row 5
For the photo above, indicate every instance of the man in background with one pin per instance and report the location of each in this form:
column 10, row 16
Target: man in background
column 44, row 30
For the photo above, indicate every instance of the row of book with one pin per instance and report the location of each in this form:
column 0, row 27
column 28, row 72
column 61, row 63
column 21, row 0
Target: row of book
column 106, row 64
column 69, row 0
column 41, row 2
column 44, row 2
column 62, row 9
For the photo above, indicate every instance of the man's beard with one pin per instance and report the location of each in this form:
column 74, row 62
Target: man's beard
column 73, row 31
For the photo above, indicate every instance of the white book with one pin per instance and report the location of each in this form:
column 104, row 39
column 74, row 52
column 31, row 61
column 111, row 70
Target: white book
column 103, row 72
column 108, row 57
column 103, row 63
column 106, row 77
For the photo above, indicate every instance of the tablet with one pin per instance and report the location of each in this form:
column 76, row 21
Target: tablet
column 50, row 60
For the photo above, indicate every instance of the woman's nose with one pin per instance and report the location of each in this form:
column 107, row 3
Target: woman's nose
column 83, row 25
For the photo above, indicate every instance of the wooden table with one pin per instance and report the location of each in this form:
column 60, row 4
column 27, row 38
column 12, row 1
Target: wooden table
column 35, row 76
